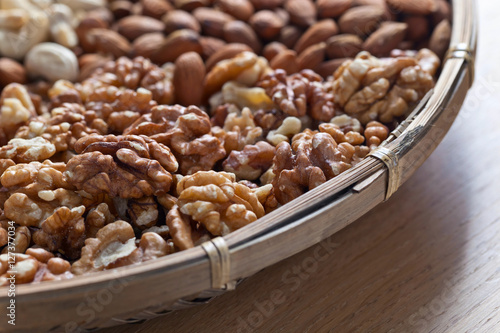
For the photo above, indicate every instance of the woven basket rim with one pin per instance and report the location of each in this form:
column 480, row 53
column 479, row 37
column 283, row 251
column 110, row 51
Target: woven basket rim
column 460, row 35
column 463, row 35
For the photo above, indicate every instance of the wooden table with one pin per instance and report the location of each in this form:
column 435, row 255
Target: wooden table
column 426, row 261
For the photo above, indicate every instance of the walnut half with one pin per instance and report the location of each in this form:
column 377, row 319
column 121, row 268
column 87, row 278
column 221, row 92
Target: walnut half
column 115, row 246
column 126, row 166
column 219, row 203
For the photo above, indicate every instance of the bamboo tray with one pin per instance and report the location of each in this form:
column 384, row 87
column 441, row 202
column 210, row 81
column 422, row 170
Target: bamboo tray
column 136, row 293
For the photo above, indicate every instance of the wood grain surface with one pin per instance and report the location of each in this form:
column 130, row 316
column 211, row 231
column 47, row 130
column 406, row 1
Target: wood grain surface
column 426, row 261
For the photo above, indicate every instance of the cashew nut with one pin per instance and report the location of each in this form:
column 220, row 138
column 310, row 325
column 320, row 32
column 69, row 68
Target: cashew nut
column 15, row 43
column 52, row 62
column 61, row 29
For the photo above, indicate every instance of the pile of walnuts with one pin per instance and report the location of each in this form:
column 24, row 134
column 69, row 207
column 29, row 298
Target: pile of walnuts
column 110, row 171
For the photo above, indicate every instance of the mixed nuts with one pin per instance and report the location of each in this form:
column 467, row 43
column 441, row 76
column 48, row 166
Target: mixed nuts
column 132, row 129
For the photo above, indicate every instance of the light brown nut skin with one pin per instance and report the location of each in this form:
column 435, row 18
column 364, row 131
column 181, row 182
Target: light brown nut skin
column 16, row 108
column 302, row 12
column 25, row 269
column 25, row 211
column 176, row 44
column 440, row 38
column 343, row 46
column 291, row 183
column 216, row 201
column 236, row 137
column 269, row 119
column 328, row 8
column 362, row 21
column 155, row 8
column 312, row 56
column 382, row 89
column 143, row 212
column 168, row 201
column 117, row 105
column 186, row 131
column 309, row 161
column 240, row 9
column 242, row 96
column 190, row 5
column 251, row 162
column 292, row 101
column 179, row 19
column 340, row 135
column 180, row 229
column 266, row 4
column 118, row 235
column 134, row 26
column 34, row 177
column 418, row 27
column 40, row 254
column 241, row 32
column 67, row 124
column 286, row 60
column 131, row 74
column 321, row 102
column 64, row 231
column 141, row 167
column 419, row 7
column 388, row 69
column 375, row 134
column 189, row 74
column 97, row 218
column 428, row 61
column 90, row 62
column 443, row 12
column 272, row 49
column 28, row 150
column 363, row 99
column 227, row 52
column 299, row 93
column 11, row 72
column 82, row 30
column 210, row 45
column 5, row 164
column 266, row 197
column 212, row 21
column 394, row 104
column 114, row 246
column 21, row 242
column 35, row 191
column 289, row 36
column 317, row 33
column 347, row 124
column 267, row 24
column 4, row 237
column 385, row 39
column 151, row 246
column 327, row 68
column 109, row 42
column 58, row 266
column 348, row 77
column 61, row 92
column 227, row 70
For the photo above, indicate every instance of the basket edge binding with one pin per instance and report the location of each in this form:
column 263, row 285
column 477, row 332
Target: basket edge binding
column 218, row 252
